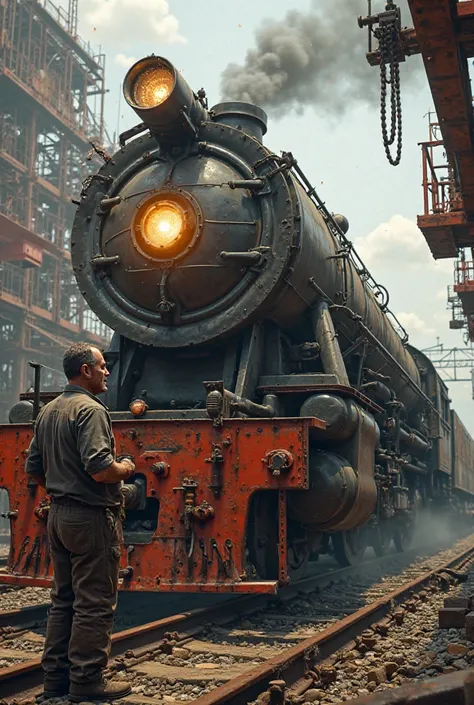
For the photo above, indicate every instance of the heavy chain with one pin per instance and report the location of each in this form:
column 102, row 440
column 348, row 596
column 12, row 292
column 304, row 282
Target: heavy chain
column 387, row 37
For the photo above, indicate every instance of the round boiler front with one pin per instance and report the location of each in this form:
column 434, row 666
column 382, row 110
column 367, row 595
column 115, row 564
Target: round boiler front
column 169, row 237
column 178, row 251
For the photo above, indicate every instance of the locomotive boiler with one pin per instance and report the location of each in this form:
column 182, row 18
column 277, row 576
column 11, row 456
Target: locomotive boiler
column 272, row 409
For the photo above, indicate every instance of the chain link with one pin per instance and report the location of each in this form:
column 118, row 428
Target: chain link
column 387, row 36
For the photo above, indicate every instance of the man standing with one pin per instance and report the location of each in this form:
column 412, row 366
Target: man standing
column 72, row 454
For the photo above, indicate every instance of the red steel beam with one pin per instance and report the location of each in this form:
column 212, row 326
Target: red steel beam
column 437, row 25
column 11, row 231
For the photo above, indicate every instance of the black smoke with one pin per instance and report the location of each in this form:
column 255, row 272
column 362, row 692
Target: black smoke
column 313, row 59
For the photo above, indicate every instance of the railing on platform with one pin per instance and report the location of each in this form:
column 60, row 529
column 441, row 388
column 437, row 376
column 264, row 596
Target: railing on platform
column 463, row 272
column 440, row 192
column 12, row 281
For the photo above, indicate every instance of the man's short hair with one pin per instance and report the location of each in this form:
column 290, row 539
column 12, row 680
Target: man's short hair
column 77, row 355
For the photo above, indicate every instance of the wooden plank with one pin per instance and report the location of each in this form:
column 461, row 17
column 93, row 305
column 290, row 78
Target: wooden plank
column 200, row 673
column 34, row 637
column 251, row 635
column 205, row 647
column 304, row 622
column 17, row 653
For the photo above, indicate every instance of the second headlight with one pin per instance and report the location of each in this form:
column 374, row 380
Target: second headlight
column 162, row 99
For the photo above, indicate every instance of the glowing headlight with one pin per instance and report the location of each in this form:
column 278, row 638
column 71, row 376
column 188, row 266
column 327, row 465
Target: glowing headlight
column 162, row 224
column 159, row 95
column 152, row 87
column 166, row 225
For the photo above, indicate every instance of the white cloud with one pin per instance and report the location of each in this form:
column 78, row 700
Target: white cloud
column 397, row 255
column 442, row 317
column 125, row 61
column 413, row 323
column 121, row 23
column 399, row 242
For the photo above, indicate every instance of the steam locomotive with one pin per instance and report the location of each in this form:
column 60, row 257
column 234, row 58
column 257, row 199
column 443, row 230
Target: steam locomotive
column 271, row 402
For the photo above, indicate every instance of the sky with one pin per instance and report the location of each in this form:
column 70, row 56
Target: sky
column 324, row 108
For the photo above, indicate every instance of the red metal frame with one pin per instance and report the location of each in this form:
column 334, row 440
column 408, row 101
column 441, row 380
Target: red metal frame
column 446, row 42
column 443, row 223
column 210, row 556
column 464, row 288
column 464, row 276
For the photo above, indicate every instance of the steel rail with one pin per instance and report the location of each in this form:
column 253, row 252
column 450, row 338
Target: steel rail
column 27, row 676
column 293, row 664
column 24, row 615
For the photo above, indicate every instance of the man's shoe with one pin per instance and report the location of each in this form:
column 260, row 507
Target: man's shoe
column 54, row 690
column 100, row 690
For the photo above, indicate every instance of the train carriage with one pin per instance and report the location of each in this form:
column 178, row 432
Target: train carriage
column 462, row 463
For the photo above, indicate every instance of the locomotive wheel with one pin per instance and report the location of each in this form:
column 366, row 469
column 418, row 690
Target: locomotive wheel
column 298, row 551
column 349, row 546
column 381, row 538
column 403, row 532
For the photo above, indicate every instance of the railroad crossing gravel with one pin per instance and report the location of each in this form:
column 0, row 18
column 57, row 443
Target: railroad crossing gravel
column 13, row 597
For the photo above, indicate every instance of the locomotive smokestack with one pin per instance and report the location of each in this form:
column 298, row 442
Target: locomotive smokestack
column 162, row 99
column 244, row 116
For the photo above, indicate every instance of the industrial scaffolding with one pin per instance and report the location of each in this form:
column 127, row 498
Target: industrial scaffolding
column 51, row 109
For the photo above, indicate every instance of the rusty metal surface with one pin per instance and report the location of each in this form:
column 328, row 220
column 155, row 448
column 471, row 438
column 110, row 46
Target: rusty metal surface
column 182, row 552
column 26, row 675
column 463, row 456
column 42, row 96
column 409, row 42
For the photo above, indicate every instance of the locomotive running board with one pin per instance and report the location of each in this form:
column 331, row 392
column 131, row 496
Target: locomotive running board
column 267, row 587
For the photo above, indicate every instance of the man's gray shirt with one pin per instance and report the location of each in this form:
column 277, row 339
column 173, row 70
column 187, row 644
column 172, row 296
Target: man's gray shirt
column 73, row 440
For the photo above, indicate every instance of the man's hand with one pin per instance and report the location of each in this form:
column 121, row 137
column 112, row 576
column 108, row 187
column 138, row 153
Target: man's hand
column 131, row 466
column 117, row 472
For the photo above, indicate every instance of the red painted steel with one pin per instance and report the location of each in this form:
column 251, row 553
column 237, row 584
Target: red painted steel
column 26, row 254
column 445, row 35
column 183, row 553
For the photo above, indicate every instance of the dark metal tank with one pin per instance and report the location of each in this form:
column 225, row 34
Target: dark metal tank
column 241, row 202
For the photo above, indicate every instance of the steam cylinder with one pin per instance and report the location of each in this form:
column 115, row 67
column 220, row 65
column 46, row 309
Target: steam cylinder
column 195, row 297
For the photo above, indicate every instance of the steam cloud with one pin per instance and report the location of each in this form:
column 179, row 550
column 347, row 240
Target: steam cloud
column 312, row 59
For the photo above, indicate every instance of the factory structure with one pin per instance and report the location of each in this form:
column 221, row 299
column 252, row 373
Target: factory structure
column 51, row 112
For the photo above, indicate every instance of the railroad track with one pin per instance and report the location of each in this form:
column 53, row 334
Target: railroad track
column 233, row 652
column 31, row 616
